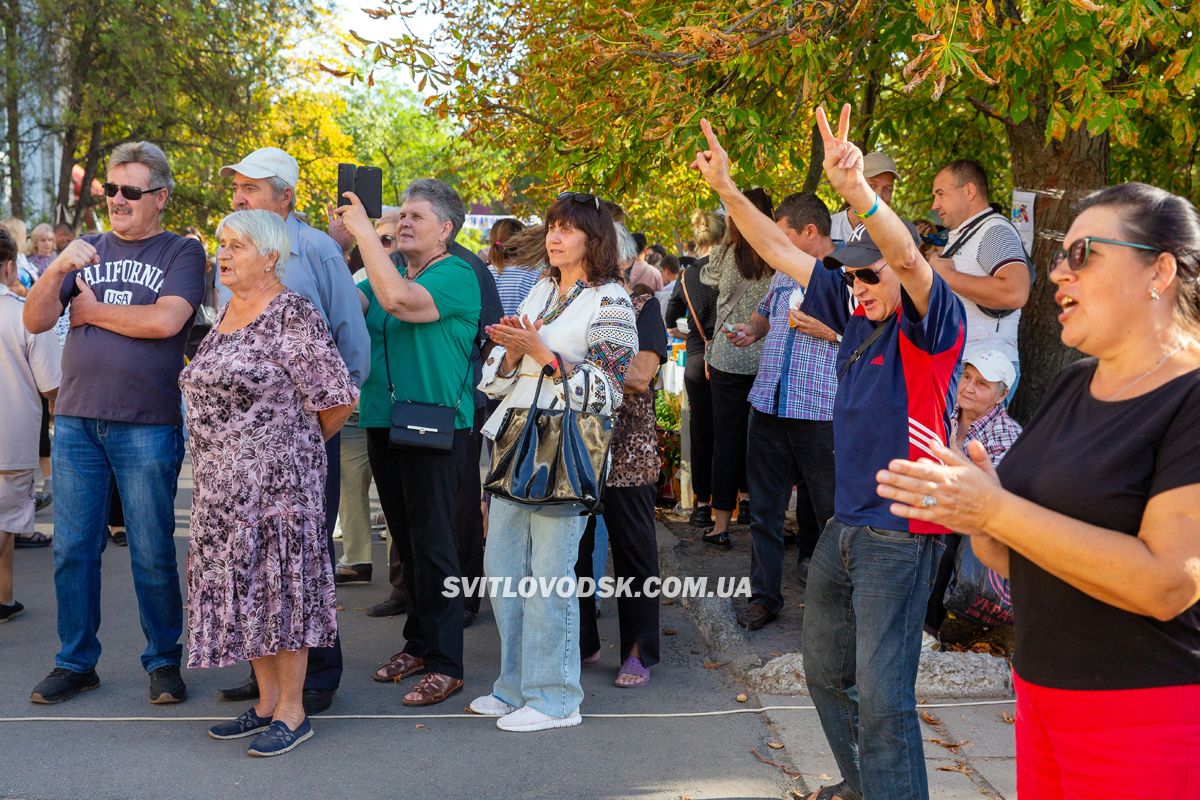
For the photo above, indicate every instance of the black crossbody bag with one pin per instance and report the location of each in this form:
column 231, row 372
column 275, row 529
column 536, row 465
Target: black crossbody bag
column 429, row 426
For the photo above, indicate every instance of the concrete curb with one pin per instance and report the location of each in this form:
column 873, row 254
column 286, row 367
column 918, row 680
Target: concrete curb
column 971, row 676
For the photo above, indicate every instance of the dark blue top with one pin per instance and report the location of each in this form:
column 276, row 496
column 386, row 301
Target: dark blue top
column 895, row 399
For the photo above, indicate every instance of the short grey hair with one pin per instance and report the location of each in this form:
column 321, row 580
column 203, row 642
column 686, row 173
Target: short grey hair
column 445, row 201
column 279, row 186
column 627, row 249
column 146, row 153
column 264, row 229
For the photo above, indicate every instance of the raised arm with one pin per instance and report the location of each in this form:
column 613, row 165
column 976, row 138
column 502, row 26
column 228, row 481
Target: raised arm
column 843, row 166
column 759, row 230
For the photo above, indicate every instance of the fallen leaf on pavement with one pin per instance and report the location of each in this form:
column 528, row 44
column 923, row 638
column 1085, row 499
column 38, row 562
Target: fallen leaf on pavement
column 963, row 768
column 668, row 631
column 775, row 745
column 774, row 655
column 420, row 725
column 930, row 718
column 952, row 746
column 1009, row 718
column 741, row 698
column 668, row 602
column 791, row 773
column 714, row 664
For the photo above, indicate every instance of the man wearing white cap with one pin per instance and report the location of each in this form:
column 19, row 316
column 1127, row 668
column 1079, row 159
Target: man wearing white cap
column 266, row 179
column 881, row 174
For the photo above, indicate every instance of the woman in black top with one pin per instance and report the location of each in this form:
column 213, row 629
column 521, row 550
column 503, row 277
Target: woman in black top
column 709, row 230
column 1094, row 514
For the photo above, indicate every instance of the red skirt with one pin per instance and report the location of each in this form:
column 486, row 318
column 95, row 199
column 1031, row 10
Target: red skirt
column 1087, row 745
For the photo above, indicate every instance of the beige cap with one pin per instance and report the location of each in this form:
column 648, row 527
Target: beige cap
column 877, row 164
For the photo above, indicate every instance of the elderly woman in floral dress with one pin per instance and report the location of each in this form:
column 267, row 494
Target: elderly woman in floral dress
column 265, row 390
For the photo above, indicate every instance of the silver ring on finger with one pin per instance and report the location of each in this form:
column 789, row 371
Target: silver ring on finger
column 928, row 501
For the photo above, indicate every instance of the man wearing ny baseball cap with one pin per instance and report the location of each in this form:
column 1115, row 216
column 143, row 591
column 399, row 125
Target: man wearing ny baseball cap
column 881, row 173
column 266, row 179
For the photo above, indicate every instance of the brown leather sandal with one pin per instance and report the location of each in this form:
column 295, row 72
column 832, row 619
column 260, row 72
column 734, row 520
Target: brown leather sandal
column 433, row 688
column 399, row 667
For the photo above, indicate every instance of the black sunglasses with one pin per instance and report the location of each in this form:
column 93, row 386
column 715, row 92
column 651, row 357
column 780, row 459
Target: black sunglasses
column 868, row 276
column 386, row 240
column 582, row 198
column 129, row 192
column 1076, row 254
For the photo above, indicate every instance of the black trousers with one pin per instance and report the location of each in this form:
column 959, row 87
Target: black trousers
column 629, row 515
column 700, row 431
column 418, row 490
column 731, row 418
column 325, row 663
column 468, row 513
column 468, row 522
column 785, row 453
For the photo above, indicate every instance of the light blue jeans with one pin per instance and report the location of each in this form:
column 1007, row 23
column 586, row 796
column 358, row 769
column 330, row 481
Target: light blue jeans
column 539, row 636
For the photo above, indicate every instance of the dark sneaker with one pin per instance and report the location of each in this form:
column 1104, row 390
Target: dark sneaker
column 391, row 607
column 63, row 684
column 468, row 617
column 248, row 724
column 279, row 739
column 317, row 700
column 42, row 500
column 701, row 517
column 9, row 611
column 352, row 573
column 118, row 537
column 743, row 514
column 166, row 686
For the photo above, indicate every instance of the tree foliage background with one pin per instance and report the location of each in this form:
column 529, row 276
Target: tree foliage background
column 1057, row 97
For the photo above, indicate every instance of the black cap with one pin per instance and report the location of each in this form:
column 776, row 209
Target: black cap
column 859, row 250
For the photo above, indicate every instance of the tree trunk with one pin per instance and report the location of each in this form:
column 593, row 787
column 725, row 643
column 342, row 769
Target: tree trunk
column 1060, row 173
column 91, row 164
column 12, row 110
column 816, row 156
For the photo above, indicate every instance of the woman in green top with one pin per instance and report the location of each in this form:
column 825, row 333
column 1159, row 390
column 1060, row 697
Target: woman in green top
column 422, row 318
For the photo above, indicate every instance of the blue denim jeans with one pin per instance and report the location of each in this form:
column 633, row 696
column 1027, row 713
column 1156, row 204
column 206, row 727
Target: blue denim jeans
column 539, row 636
column 145, row 461
column 865, row 604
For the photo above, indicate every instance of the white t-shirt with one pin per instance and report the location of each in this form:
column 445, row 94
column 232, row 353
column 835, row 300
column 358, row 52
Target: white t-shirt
column 840, row 227
column 29, row 364
column 993, row 244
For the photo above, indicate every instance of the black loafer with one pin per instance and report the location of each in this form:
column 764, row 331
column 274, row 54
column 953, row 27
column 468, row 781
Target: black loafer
column 242, row 693
column 317, row 700
column 391, row 607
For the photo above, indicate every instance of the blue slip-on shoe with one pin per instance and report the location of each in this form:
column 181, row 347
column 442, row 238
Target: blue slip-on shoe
column 279, row 739
column 247, row 724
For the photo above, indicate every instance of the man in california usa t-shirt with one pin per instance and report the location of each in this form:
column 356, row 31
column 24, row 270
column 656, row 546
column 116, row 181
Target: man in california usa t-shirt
column 132, row 294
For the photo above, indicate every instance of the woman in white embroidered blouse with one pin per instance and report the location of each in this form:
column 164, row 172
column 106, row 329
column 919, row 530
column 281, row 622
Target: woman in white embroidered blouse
column 581, row 313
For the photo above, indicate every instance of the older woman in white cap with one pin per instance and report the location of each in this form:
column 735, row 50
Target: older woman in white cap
column 979, row 413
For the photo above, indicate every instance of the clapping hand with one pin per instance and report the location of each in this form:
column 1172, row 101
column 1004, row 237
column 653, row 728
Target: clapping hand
column 519, row 337
column 958, row 494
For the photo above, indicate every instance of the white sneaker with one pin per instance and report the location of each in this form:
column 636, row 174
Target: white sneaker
column 491, row 706
column 527, row 720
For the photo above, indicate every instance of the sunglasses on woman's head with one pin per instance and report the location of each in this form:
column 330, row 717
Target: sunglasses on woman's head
column 129, row 192
column 1076, row 254
column 387, row 240
column 583, row 198
column 868, row 276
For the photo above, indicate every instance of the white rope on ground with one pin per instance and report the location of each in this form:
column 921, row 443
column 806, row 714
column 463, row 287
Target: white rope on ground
column 658, row 715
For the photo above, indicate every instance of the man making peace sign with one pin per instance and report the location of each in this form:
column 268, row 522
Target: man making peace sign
column 869, row 577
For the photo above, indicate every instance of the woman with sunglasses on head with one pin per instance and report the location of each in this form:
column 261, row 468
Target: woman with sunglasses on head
column 577, row 329
column 870, row 574
column 1093, row 515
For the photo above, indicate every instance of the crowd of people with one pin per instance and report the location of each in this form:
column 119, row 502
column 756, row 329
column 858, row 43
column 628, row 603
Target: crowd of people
column 847, row 359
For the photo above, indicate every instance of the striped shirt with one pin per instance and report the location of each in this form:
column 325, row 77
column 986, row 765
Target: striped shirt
column 796, row 377
column 514, row 284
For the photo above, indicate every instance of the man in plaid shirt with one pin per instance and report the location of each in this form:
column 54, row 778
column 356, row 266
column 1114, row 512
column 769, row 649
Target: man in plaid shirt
column 790, row 440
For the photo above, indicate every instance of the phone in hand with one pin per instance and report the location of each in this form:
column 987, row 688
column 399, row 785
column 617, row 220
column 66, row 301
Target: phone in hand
column 366, row 182
column 729, row 327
